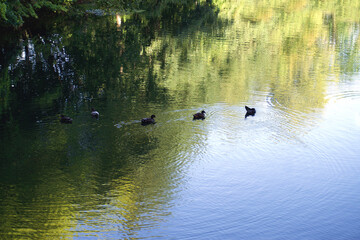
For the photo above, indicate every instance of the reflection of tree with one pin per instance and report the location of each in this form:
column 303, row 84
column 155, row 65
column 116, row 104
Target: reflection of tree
column 278, row 47
column 88, row 58
column 182, row 56
column 60, row 72
column 85, row 60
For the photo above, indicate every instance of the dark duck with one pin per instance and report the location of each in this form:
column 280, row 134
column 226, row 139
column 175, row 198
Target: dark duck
column 94, row 113
column 65, row 119
column 146, row 121
column 249, row 111
column 199, row 115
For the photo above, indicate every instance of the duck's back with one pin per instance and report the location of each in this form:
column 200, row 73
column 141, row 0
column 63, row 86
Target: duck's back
column 95, row 114
column 65, row 119
column 199, row 116
column 145, row 121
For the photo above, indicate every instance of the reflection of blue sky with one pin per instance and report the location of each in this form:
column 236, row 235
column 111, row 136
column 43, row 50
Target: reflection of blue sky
column 277, row 175
column 247, row 185
column 342, row 112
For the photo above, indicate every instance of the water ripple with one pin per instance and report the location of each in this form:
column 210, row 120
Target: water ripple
column 347, row 94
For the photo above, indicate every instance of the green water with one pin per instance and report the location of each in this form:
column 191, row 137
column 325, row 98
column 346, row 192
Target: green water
column 289, row 172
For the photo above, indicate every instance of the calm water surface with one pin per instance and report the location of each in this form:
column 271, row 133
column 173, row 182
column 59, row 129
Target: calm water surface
column 289, row 172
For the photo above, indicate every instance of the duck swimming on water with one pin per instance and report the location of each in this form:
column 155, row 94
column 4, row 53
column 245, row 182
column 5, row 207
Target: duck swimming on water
column 199, row 115
column 94, row 113
column 249, row 111
column 146, row 121
column 65, row 119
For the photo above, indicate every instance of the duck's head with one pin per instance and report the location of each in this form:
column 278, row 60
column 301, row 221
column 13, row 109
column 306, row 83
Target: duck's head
column 153, row 116
column 203, row 112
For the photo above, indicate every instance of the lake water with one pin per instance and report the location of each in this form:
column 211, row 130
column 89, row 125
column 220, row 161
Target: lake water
column 289, row 172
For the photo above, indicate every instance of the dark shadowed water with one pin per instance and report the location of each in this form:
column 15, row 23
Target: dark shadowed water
column 289, row 172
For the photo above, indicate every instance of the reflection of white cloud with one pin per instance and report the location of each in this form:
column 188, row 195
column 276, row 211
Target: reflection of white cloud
column 357, row 119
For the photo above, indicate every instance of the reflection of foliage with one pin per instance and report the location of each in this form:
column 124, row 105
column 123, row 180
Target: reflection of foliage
column 5, row 85
column 278, row 46
column 93, row 56
column 175, row 54
column 60, row 71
